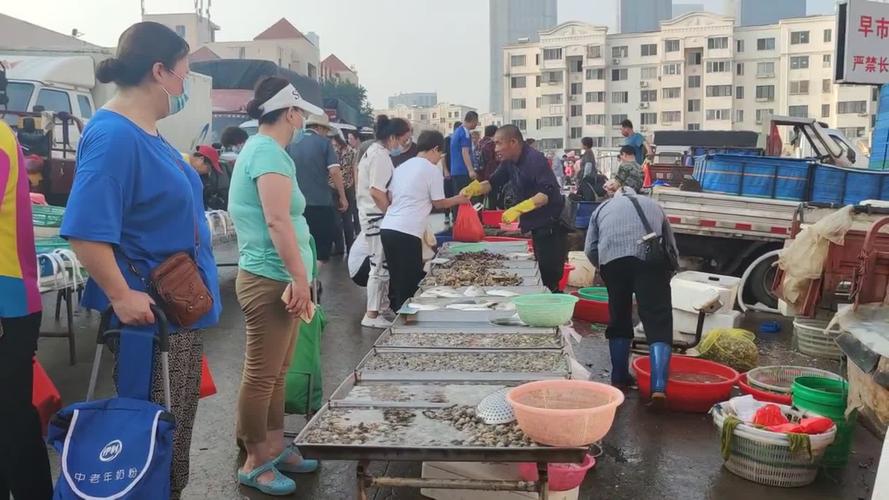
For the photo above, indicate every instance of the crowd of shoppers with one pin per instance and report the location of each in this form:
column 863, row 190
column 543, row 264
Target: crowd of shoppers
column 299, row 181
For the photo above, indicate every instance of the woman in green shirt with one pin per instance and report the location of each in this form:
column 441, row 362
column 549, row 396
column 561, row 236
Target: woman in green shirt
column 275, row 268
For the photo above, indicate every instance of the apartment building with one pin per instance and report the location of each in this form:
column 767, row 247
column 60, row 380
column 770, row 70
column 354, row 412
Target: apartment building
column 698, row 72
column 439, row 117
column 281, row 43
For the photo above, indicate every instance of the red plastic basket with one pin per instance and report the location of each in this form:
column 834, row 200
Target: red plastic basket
column 591, row 310
column 690, row 397
column 492, row 218
column 759, row 395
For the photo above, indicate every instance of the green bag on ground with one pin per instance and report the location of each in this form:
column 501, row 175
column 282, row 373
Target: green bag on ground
column 302, row 383
column 731, row 346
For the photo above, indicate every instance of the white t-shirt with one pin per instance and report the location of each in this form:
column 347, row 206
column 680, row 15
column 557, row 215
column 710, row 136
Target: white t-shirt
column 374, row 170
column 416, row 183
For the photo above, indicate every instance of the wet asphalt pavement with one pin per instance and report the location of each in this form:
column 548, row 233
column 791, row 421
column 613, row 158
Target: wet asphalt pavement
column 645, row 455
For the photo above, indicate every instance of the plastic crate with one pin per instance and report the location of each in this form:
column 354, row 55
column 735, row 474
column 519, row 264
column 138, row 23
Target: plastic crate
column 47, row 215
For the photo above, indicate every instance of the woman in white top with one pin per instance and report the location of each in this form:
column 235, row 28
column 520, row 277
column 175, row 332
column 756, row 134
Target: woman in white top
column 416, row 188
column 372, row 193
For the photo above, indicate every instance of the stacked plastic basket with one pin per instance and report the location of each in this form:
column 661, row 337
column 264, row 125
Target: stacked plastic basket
column 879, row 156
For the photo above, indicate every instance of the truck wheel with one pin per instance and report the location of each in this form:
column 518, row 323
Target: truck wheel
column 759, row 283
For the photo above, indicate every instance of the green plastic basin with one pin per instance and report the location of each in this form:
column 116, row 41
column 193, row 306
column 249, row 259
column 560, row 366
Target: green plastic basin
column 594, row 293
column 545, row 309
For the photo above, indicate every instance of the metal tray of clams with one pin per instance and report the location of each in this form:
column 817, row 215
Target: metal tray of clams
column 414, row 394
column 472, row 309
column 463, row 364
column 509, row 261
column 470, row 340
column 505, row 278
column 481, row 291
column 420, row 434
column 405, row 324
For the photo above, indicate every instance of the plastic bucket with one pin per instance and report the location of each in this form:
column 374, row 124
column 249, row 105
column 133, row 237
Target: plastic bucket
column 827, row 397
column 821, row 390
column 837, row 454
column 562, row 477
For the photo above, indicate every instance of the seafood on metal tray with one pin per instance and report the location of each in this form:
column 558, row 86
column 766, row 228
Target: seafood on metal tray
column 470, row 341
column 474, row 274
column 342, row 426
column 484, row 362
column 484, row 257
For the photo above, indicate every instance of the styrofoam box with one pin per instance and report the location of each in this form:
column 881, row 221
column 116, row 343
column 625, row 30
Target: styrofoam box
column 685, row 324
column 692, row 289
column 482, row 470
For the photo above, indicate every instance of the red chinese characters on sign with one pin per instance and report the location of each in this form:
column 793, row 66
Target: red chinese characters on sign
column 866, row 27
column 871, row 64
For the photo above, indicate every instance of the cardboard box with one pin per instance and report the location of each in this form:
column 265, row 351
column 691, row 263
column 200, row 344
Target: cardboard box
column 482, row 470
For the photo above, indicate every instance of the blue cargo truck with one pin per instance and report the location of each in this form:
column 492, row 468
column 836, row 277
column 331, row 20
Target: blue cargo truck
column 747, row 204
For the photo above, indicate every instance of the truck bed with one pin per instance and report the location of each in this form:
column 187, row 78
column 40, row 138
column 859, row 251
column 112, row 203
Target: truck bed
column 740, row 217
column 744, row 217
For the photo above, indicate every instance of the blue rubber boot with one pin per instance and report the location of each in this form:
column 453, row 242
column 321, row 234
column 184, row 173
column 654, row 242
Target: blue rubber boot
column 660, row 370
column 620, row 363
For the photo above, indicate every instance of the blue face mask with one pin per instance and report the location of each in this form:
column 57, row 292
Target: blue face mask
column 397, row 151
column 178, row 102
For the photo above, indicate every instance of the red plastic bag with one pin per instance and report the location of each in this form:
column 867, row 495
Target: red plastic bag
column 815, row 425
column 208, row 386
column 769, row 415
column 786, row 428
column 468, row 227
column 44, row 396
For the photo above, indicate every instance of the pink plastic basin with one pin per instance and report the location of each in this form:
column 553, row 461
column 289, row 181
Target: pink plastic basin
column 566, row 413
column 562, row 477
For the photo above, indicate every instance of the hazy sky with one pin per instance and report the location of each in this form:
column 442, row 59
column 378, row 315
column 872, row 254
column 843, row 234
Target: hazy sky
column 396, row 45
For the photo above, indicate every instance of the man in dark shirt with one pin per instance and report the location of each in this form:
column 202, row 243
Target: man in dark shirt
column 530, row 174
column 317, row 164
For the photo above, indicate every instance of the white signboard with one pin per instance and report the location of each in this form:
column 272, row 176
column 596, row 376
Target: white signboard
column 862, row 42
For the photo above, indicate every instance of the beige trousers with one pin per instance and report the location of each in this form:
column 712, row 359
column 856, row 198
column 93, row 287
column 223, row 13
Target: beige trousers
column 271, row 336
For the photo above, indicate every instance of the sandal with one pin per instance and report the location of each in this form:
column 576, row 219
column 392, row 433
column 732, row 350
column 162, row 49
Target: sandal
column 304, row 467
column 281, row 485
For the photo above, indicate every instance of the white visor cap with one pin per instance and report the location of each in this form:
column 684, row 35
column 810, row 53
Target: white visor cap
column 289, row 97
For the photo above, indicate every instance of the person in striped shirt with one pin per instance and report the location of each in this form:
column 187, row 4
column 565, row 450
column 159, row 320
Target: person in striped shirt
column 24, row 465
column 613, row 245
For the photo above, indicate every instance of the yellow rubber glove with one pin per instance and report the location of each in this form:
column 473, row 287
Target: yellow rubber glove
column 472, row 190
column 512, row 214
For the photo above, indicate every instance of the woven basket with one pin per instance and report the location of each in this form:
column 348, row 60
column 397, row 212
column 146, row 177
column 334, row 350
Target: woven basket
column 810, row 338
column 764, row 457
column 779, row 379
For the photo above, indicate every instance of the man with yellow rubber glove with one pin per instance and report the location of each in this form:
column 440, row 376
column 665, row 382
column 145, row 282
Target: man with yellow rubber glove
column 527, row 170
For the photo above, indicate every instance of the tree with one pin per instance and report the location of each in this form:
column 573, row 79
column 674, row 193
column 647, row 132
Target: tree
column 349, row 93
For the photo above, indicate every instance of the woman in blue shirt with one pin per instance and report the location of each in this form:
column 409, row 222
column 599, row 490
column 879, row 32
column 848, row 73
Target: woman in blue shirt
column 135, row 202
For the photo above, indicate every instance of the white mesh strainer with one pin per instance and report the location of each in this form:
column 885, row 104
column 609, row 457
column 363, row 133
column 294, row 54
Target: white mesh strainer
column 495, row 409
